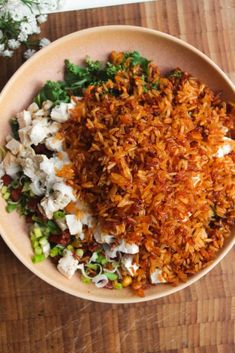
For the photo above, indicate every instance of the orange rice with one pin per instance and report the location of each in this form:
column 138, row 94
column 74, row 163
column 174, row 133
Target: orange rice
column 144, row 160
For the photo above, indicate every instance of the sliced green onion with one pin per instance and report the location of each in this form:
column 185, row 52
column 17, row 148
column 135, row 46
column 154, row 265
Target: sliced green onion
column 85, row 280
column 4, row 189
column 92, row 266
column 15, row 184
column 38, row 250
column 117, row 285
column 54, row 251
column 26, row 186
column 79, row 252
column 70, row 247
column 35, row 244
column 59, row 215
column 37, row 231
column 38, row 258
column 43, row 241
column 111, row 276
column 6, row 196
column 11, row 207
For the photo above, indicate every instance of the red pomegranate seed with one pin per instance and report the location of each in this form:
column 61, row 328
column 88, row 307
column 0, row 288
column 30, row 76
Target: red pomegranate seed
column 16, row 194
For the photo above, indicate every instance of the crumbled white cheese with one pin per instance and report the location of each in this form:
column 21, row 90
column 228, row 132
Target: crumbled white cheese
column 14, row 146
column 74, row 224
column 24, row 136
column 67, row 265
column 37, row 188
column 46, row 249
column 102, row 237
column 54, row 202
column 24, row 118
column 38, row 133
column 156, row 277
column 33, row 107
column 54, row 144
column 123, row 247
column 60, row 112
column 11, row 165
column 65, row 190
column 128, row 265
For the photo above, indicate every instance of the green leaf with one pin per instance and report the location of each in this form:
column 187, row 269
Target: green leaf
column 137, row 59
column 53, row 91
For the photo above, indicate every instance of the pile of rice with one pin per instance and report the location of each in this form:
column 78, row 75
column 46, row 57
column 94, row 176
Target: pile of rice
column 155, row 162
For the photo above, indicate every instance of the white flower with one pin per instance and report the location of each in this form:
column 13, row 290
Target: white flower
column 22, row 37
column 1, row 34
column 26, row 28
column 2, row 47
column 13, row 44
column 28, row 53
column 42, row 19
column 44, row 42
column 7, row 53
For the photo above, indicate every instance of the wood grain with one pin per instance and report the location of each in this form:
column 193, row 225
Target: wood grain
column 37, row 318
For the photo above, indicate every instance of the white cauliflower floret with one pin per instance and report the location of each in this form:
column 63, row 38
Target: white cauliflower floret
column 11, row 165
column 24, row 118
column 156, row 277
column 14, row 146
column 67, row 265
column 128, row 265
column 74, row 225
column 60, row 112
column 54, row 144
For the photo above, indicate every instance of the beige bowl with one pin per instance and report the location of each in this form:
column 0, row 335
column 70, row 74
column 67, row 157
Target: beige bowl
column 168, row 52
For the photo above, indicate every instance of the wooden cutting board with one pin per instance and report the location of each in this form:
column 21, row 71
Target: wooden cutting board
column 37, row 318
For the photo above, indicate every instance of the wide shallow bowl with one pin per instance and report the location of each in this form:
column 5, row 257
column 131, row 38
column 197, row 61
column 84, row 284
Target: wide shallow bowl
column 168, row 52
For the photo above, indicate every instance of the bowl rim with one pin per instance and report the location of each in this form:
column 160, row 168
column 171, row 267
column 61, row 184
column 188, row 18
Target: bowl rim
column 32, row 267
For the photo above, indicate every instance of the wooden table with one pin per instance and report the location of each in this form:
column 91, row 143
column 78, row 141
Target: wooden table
column 37, row 318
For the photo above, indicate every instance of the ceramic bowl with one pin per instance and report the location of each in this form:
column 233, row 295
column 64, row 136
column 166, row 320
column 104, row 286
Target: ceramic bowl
column 167, row 52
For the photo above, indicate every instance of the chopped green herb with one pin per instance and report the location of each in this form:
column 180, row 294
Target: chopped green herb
column 53, row 91
column 111, row 276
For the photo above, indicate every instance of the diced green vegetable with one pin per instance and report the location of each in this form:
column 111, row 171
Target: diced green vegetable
column 92, row 266
column 70, row 247
column 43, row 241
column 38, row 258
